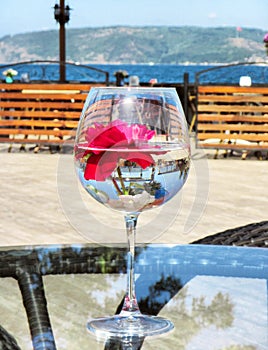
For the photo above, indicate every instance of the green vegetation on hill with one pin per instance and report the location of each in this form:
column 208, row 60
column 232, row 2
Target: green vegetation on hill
column 122, row 44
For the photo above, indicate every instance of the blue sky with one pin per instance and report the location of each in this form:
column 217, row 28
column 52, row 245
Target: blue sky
column 20, row 16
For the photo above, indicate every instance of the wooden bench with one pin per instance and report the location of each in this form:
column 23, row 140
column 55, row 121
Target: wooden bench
column 40, row 114
column 232, row 118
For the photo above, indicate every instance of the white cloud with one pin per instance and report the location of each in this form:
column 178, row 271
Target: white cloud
column 212, row 15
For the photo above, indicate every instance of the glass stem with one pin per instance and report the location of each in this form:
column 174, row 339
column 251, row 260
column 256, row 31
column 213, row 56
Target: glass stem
column 130, row 306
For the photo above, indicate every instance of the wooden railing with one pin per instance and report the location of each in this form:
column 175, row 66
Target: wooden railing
column 41, row 114
column 232, row 117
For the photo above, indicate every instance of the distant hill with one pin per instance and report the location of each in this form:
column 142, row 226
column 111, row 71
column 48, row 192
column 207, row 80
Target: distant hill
column 125, row 44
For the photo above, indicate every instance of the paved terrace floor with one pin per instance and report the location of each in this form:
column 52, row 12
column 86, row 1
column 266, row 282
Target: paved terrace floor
column 42, row 202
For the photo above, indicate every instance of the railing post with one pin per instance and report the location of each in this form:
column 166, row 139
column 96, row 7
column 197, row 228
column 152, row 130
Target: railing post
column 62, row 44
column 185, row 95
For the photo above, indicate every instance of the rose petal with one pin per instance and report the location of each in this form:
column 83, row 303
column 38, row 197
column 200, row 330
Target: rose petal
column 100, row 166
column 105, row 138
column 142, row 159
column 136, row 132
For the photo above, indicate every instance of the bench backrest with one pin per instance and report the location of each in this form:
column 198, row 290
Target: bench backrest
column 233, row 117
column 47, row 113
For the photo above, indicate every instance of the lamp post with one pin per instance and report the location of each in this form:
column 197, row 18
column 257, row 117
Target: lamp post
column 62, row 16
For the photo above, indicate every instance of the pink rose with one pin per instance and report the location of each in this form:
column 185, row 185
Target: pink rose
column 115, row 138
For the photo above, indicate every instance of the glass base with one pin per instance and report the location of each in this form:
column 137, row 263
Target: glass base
column 129, row 326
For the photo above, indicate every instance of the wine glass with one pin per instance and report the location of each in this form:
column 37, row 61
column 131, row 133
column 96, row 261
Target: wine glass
column 132, row 154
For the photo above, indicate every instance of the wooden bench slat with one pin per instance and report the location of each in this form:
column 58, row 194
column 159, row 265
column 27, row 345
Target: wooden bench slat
column 232, row 118
column 20, row 131
column 41, row 104
column 233, row 127
column 40, row 123
column 234, row 146
column 232, row 89
column 40, row 114
column 222, row 136
column 232, row 99
column 19, row 96
column 232, row 108
column 44, row 141
column 48, row 86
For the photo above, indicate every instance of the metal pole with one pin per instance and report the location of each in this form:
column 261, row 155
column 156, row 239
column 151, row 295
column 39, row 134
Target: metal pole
column 62, row 42
column 185, row 94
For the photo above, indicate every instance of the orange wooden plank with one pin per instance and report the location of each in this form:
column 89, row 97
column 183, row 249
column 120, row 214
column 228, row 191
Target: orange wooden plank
column 233, row 127
column 232, row 89
column 232, row 118
column 37, row 140
column 19, row 96
column 222, row 136
column 40, row 114
column 48, row 86
column 255, row 98
column 39, row 132
column 39, row 123
column 234, row 146
column 41, row 104
column 233, row 108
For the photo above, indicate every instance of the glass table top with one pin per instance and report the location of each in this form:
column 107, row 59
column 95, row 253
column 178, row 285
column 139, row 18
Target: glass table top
column 216, row 296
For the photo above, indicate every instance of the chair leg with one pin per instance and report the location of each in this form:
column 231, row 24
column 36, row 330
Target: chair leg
column 34, row 300
column 36, row 149
column 258, row 154
column 244, row 155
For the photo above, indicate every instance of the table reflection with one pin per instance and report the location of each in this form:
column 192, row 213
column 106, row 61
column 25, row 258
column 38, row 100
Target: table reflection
column 215, row 296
